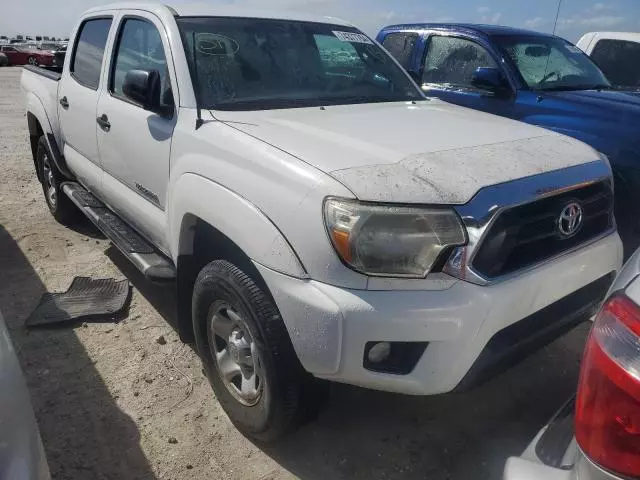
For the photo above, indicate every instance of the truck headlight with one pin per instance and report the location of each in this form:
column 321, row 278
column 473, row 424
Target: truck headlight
column 387, row 240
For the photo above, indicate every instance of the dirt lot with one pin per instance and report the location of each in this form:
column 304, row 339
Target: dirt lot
column 108, row 397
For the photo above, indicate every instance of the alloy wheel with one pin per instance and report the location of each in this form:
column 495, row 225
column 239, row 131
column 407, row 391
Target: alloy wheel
column 49, row 182
column 235, row 354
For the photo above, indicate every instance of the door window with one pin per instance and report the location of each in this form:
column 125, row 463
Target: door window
column 619, row 60
column 453, row 61
column 400, row 45
column 87, row 58
column 140, row 48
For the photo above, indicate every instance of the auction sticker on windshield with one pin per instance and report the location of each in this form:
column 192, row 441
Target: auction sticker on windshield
column 352, row 37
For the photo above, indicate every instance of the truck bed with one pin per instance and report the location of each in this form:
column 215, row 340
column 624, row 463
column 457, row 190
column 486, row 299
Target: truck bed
column 53, row 73
column 40, row 87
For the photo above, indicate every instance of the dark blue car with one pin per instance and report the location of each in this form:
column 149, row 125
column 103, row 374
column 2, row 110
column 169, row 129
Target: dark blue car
column 536, row 78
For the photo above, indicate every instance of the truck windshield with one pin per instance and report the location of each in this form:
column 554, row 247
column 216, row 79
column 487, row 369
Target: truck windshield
column 551, row 63
column 259, row 64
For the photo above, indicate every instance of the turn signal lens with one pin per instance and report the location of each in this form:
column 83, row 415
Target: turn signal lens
column 388, row 240
column 608, row 401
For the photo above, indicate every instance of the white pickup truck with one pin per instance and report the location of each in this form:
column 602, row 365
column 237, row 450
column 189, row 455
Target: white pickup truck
column 617, row 54
column 320, row 218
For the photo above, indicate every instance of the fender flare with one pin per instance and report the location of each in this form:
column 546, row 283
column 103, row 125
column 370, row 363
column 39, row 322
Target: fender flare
column 194, row 197
column 36, row 109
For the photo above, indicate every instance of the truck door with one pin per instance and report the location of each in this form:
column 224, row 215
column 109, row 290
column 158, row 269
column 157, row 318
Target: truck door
column 78, row 94
column 135, row 143
column 449, row 66
column 404, row 47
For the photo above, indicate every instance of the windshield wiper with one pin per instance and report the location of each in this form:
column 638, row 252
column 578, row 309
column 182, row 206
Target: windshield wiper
column 266, row 104
column 361, row 99
column 275, row 103
column 601, row 86
column 573, row 88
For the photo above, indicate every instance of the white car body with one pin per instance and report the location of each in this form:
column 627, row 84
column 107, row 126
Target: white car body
column 617, row 54
column 273, row 169
column 554, row 453
column 589, row 40
column 21, row 452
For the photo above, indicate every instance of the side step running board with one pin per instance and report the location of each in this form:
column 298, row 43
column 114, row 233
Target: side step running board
column 155, row 266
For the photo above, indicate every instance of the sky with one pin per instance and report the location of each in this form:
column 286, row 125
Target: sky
column 51, row 18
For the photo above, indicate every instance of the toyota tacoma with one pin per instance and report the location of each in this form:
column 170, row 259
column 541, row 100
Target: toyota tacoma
column 319, row 217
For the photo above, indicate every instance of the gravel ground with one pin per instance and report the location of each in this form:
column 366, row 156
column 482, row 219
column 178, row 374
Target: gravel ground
column 113, row 403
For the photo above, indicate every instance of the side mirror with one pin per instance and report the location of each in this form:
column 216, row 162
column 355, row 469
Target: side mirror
column 143, row 88
column 490, row 79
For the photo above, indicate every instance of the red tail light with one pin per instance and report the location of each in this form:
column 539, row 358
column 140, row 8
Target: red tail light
column 608, row 402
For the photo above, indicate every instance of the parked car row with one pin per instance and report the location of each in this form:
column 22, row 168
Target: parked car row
column 26, row 55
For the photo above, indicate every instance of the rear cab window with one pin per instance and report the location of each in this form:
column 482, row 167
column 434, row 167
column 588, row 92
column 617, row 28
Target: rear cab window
column 401, row 45
column 86, row 63
column 619, row 60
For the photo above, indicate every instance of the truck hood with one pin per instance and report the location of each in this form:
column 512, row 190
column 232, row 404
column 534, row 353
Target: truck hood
column 607, row 120
column 425, row 152
column 617, row 104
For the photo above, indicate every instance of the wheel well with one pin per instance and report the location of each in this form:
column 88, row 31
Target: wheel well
column 35, row 132
column 201, row 243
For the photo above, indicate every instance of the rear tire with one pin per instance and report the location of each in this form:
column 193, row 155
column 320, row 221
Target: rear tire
column 232, row 313
column 62, row 209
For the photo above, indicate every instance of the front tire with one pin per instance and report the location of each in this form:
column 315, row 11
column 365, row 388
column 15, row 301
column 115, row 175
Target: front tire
column 62, row 209
column 32, row 61
column 248, row 356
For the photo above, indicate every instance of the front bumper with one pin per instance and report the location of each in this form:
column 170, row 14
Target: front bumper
column 330, row 326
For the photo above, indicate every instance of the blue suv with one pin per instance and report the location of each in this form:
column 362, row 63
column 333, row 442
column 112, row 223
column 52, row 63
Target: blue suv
column 533, row 77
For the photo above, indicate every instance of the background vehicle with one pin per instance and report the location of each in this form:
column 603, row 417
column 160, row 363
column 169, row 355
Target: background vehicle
column 250, row 161
column 21, row 451
column 533, row 77
column 608, row 401
column 58, row 56
column 48, row 46
column 617, row 54
column 4, row 60
column 19, row 55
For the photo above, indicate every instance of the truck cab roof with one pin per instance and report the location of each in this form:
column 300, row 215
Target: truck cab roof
column 203, row 10
column 478, row 29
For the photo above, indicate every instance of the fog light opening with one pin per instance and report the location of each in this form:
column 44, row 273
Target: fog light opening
column 397, row 358
column 379, row 352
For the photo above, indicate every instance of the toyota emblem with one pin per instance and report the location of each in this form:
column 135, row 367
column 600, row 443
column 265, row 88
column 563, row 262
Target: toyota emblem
column 570, row 220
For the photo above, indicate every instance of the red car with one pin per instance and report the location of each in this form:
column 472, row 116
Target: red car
column 24, row 56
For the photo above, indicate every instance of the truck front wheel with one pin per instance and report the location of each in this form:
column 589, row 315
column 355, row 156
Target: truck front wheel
column 62, row 209
column 248, row 356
